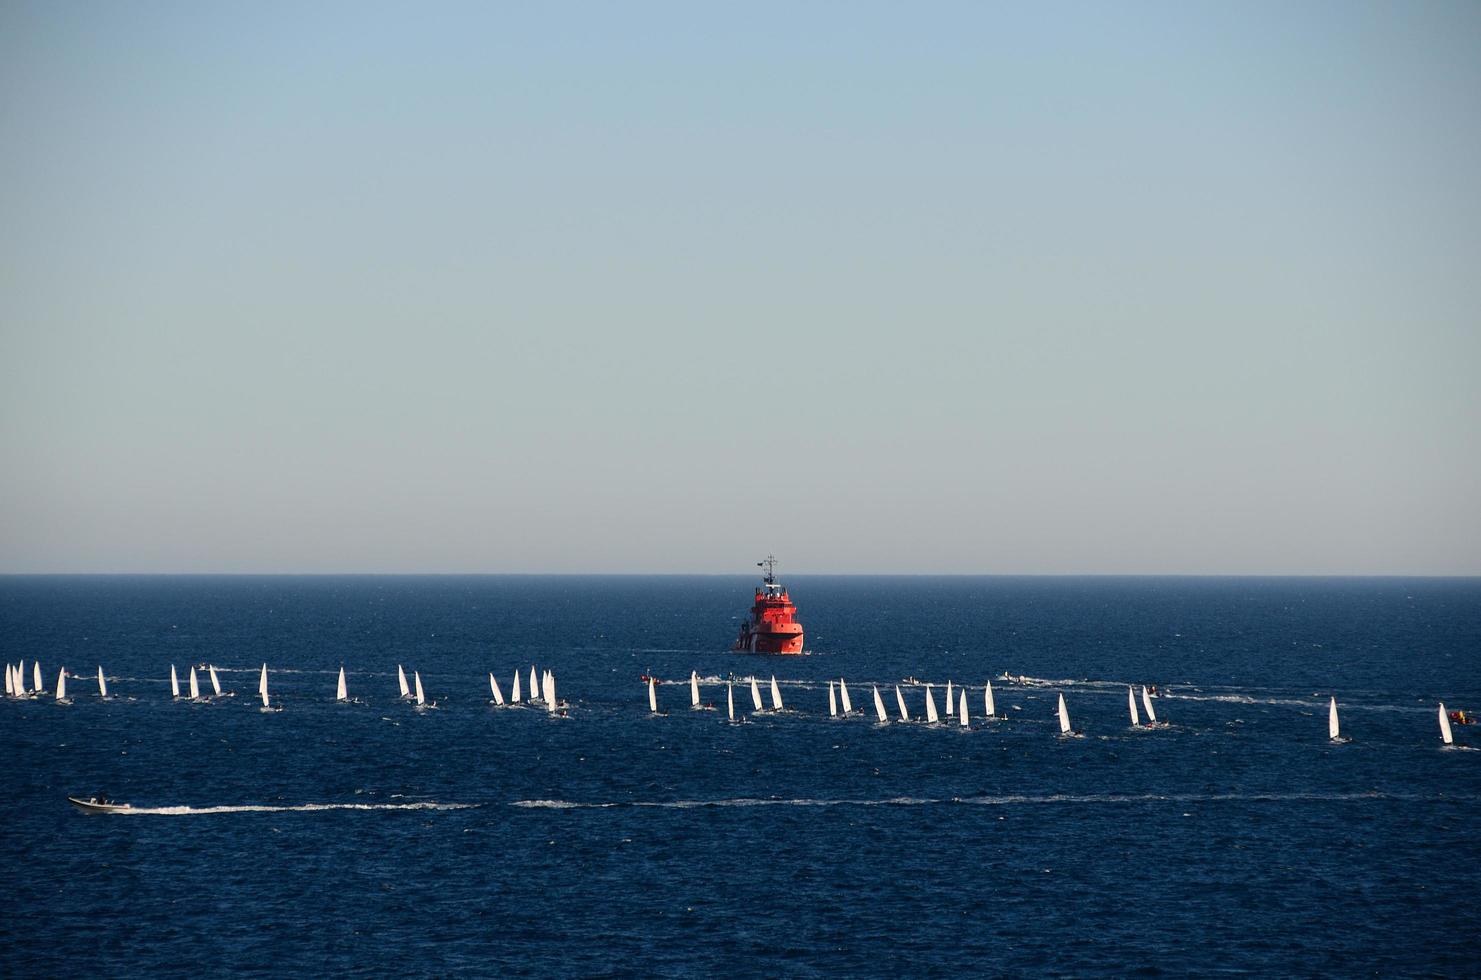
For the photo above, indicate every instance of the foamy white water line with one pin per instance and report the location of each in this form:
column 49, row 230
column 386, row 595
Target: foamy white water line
column 181, row 811
column 996, row 800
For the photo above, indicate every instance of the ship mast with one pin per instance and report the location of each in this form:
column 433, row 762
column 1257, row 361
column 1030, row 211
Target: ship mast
column 770, row 565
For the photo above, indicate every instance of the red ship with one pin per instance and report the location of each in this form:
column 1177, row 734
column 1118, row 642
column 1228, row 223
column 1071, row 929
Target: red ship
column 772, row 626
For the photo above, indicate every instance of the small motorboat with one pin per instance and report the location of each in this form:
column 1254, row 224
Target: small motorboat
column 98, row 804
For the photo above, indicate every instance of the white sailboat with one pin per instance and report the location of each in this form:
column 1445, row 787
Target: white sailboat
column 1131, row 704
column 174, row 683
column 879, row 706
column 514, row 694
column 949, row 702
column 776, row 695
column 900, row 700
column 102, row 683
column 9, row 686
column 1064, row 717
column 494, row 689
column 755, row 694
column 848, row 705
column 18, row 680
column 832, row 701
column 342, row 690
column 931, row 716
column 262, row 687
column 62, row 684
column 962, row 710
column 36, row 687
column 1147, row 704
column 1334, row 730
column 1445, row 736
column 987, row 705
column 551, row 704
column 405, row 689
column 652, row 695
column 416, row 677
column 215, row 681
column 195, row 687
column 534, row 685
column 693, row 689
column 730, row 699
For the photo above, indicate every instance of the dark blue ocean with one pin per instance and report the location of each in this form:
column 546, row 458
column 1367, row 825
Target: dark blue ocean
column 611, row 842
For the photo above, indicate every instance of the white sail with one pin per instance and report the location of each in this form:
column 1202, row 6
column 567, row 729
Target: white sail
column 730, row 699
column 879, row 705
column 550, row 702
column 514, row 694
column 405, row 689
column 342, row 690
column 832, row 701
column 755, row 694
column 776, row 695
column 848, row 705
column 652, row 696
column 18, row 680
column 949, row 702
column 262, row 686
column 215, row 681
column 1136, row 719
column 494, row 689
column 36, row 677
column 1147, row 703
column 1445, row 735
column 1334, row 730
column 987, row 705
column 931, row 716
column 174, row 683
column 962, row 709
column 900, row 700
column 195, row 687
column 416, row 678
column 102, row 683
column 693, row 689
column 1064, row 717
column 534, row 685
column 62, row 684
column 9, row 687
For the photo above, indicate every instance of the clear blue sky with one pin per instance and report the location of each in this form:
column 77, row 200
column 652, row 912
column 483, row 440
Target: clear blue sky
column 664, row 287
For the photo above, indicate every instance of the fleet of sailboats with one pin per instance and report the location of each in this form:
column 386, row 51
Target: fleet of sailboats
column 543, row 689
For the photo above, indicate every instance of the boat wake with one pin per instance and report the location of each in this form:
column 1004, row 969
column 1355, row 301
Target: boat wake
column 995, row 800
column 182, row 811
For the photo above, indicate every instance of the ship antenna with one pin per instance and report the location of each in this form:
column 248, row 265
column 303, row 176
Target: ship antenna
column 770, row 565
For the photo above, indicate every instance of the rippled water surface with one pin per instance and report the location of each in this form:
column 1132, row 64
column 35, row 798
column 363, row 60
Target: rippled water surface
column 374, row 838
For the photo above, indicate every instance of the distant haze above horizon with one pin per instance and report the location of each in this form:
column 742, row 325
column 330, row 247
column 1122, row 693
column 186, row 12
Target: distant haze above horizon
column 941, row 288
